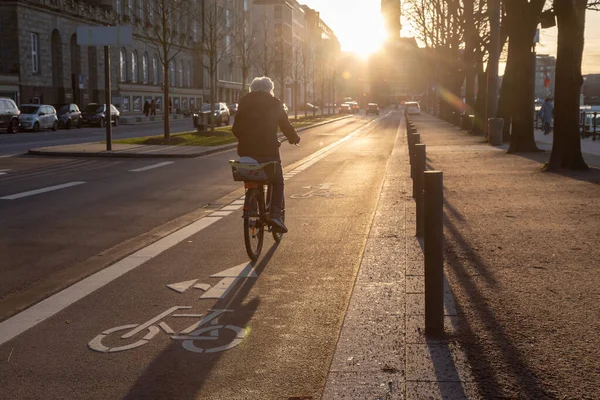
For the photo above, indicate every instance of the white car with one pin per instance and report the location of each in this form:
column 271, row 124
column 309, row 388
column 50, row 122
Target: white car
column 37, row 116
column 412, row 108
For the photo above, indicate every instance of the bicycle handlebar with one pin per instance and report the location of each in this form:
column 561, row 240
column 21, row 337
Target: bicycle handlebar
column 287, row 140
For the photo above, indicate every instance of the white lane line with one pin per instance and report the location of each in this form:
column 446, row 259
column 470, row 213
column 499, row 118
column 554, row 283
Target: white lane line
column 46, row 308
column 43, row 190
column 4, row 171
column 146, row 168
column 231, row 207
column 221, row 213
column 9, row 155
column 237, row 202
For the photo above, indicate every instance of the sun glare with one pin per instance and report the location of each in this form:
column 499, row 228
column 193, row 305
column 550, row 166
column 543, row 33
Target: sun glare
column 365, row 39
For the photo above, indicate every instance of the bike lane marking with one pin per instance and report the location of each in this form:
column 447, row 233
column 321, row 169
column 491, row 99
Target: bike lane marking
column 148, row 167
column 43, row 310
column 42, row 190
column 46, row 308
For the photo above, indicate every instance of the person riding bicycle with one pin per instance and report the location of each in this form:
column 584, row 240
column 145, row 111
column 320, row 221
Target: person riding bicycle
column 256, row 120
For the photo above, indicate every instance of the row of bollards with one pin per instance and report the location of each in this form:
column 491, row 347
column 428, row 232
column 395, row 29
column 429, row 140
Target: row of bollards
column 428, row 192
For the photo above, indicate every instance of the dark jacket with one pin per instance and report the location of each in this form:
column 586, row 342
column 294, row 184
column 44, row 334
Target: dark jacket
column 256, row 121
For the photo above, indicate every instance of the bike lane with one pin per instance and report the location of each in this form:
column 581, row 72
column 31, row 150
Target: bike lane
column 286, row 311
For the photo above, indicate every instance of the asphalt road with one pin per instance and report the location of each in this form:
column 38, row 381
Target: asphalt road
column 19, row 143
column 283, row 315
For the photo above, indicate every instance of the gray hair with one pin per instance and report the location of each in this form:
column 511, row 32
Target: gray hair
column 262, row 84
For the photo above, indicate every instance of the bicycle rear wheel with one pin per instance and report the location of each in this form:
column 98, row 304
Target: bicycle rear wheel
column 253, row 225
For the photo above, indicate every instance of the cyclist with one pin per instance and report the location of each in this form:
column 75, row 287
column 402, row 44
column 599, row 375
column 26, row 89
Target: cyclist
column 258, row 116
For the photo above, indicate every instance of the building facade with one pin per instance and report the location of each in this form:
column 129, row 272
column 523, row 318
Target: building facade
column 41, row 60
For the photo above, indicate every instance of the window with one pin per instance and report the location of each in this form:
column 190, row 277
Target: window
column 278, row 12
column 142, row 7
column 195, row 31
column 35, row 56
column 245, row 5
column 180, row 73
column 118, row 6
column 130, row 9
column 123, row 65
column 155, row 70
column 172, row 73
column 134, row 67
column 228, row 18
column 145, row 68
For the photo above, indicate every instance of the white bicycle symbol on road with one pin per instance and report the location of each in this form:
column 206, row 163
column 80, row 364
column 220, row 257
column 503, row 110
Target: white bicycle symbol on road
column 197, row 332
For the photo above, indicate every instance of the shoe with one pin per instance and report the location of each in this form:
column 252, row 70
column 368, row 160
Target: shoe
column 276, row 223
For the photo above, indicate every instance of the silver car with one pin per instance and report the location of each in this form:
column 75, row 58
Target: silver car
column 34, row 117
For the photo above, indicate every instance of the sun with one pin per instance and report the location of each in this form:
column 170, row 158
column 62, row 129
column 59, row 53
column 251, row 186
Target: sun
column 366, row 39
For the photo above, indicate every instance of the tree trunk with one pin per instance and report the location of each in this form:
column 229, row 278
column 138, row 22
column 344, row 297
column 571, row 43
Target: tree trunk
column 481, row 103
column 523, row 23
column 504, row 103
column 471, row 39
column 566, row 147
column 213, row 94
column 166, row 126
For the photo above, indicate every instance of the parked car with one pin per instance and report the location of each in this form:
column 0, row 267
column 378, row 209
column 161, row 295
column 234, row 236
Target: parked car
column 413, row 108
column 69, row 115
column 232, row 109
column 95, row 114
column 310, row 108
column 373, row 108
column 222, row 115
column 9, row 115
column 34, row 117
column 345, row 108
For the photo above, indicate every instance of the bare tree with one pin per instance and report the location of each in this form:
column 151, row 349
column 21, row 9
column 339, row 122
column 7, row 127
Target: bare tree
column 282, row 65
column 216, row 22
column 297, row 71
column 161, row 27
column 308, row 56
column 244, row 45
column 264, row 56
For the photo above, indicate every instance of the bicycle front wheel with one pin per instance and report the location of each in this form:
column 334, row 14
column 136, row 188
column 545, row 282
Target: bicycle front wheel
column 253, row 225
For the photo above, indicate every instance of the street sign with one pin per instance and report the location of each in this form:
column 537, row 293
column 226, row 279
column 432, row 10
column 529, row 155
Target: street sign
column 104, row 35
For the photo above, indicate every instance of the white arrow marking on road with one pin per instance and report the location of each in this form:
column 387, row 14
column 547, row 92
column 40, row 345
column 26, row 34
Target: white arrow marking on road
column 182, row 286
column 231, row 276
column 202, row 286
column 244, row 270
column 325, row 186
column 38, row 191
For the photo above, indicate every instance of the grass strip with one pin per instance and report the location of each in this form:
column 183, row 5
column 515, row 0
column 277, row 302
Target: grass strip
column 192, row 138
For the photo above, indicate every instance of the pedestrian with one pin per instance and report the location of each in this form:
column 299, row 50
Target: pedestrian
column 146, row 108
column 547, row 113
column 153, row 108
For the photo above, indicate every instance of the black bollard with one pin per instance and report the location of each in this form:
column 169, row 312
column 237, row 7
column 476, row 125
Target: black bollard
column 434, row 253
column 415, row 139
column 418, row 187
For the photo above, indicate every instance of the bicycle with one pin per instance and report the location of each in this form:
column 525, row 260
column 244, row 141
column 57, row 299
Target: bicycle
column 257, row 178
column 207, row 329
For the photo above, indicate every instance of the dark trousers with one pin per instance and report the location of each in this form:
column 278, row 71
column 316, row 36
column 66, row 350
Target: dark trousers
column 278, row 188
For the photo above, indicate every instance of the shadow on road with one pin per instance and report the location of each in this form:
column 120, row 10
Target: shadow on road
column 179, row 374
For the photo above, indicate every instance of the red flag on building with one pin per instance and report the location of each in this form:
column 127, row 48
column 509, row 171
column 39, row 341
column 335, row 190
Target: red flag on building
column 547, row 81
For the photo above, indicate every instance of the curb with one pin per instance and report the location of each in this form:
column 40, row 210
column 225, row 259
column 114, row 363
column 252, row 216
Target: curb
column 150, row 155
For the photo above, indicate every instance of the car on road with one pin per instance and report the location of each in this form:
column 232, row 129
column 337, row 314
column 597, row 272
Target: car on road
column 310, row 107
column 95, row 114
column 372, row 108
column 345, row 108
column 413, row 108
column 355, row 108
column 9, row 115
column 233, row 107
column 69, row 115
column 222, row 115
column 34, row 117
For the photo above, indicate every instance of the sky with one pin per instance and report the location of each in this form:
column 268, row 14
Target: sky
column 359, row 27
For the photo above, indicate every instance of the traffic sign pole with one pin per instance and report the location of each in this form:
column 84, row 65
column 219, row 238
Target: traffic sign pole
column 107, row 113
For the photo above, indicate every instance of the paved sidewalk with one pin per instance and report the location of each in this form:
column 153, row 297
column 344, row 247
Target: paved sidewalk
column 98, row 149
column 588, row 146
column 382, row 352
